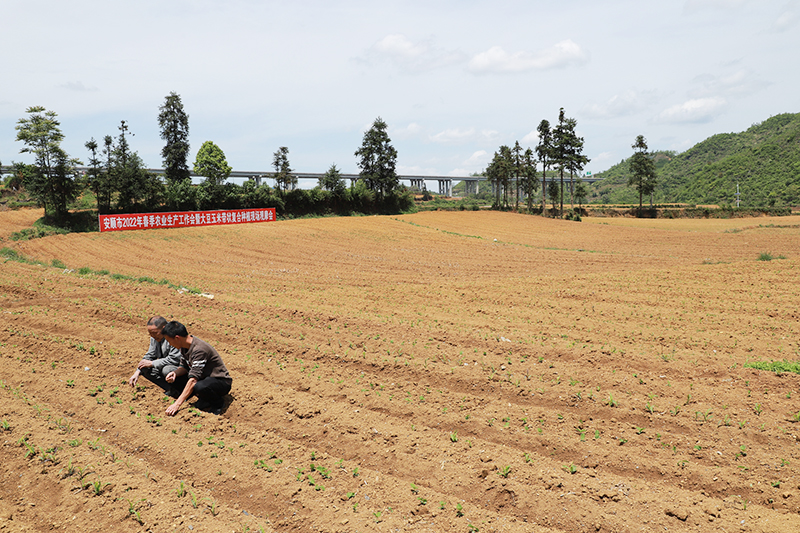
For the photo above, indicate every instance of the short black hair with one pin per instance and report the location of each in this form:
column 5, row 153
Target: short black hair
column 174, row 329
column 157, row 321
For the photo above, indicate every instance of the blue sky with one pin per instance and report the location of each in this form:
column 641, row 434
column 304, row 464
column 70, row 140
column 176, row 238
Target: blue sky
column 453, row 79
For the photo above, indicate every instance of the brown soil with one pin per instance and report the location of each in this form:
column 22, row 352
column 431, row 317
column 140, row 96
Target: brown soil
column 433, row 372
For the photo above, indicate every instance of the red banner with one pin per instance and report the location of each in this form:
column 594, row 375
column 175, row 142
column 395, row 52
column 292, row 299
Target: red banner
column 185, row 219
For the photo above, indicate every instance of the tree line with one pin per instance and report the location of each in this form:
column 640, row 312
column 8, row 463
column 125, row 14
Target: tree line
column 120, row 181
column 514, row 172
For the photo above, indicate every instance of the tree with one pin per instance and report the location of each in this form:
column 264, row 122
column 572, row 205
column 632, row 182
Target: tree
column 544, row 150
column 54, row 184
column 499, row 174
column 567, row 152
column 643, row 170
column 581, row 192
column 174, row 124
column 377, row 159
column 98, row 179
column 135, row 187
column 529, row 181
column 577, row 160
column 332, row 181
column 517, row 170
column 211, row 163
column 553, row 192
column 283, row 173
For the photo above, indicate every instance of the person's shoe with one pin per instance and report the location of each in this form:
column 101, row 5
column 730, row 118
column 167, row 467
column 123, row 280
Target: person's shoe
column 202, row 404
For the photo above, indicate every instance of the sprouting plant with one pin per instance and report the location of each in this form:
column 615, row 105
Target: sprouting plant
column 350, row 495
column 758, row 409
column 355, row 472
column 193, row 497
column 97, row 486
column 570, row 468
column 70, row 383
column 611, row 402
column 459, row 510
column 5, row 426
column 377, row 515
column 181, row 490
column 414, row 489
column 422, row 501
column 639, row 430
column 527, row 457
column 442, row 505
column 212, row 506
column 134, row 512
column 649, row 408
column 505, row 471
column 454, row 436
column 69, row 470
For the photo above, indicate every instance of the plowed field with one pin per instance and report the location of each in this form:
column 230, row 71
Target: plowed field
column 446, row 371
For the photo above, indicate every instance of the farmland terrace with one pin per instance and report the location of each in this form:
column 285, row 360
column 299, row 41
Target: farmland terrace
column 441, row 371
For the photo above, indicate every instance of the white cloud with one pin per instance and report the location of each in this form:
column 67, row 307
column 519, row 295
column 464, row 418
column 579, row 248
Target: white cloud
column 787, row 18
column 692, row 111
column 414, row 56
column 602, row 158
column 496, row 59
column 412, row 130
column 78, row 86
column 692, row 6
column 532, row 138
column 453, row 135
column 619, row 105
column 479, row 158
column 741, row 82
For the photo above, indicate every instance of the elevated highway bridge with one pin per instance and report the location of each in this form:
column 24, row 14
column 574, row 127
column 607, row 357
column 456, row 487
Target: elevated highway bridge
column 444, row 184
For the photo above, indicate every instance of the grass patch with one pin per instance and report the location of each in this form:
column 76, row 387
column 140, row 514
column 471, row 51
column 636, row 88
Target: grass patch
column 767, row 256
column 775, row 366
column 12, row 255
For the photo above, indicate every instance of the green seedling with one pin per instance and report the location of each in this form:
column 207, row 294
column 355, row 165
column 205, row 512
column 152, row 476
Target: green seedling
column 459, row 510
column 414, row 489
column 134, row 512
column 454, row 436
column 98, row 486
column 504, row 472
column 570, row 468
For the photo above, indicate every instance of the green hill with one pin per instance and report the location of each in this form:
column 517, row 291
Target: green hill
column 764, row 161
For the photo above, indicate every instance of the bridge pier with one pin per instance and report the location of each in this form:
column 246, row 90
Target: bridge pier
column 445, row 187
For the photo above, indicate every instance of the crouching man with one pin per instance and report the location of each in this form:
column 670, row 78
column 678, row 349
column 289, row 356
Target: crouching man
column 201, row 372
column 160, row 359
